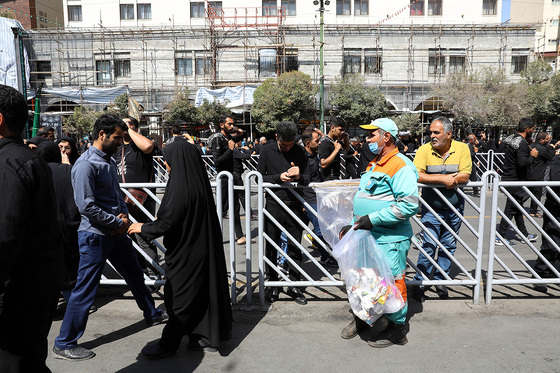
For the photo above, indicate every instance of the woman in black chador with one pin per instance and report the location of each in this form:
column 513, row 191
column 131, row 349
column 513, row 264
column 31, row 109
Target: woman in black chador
column 196, row 291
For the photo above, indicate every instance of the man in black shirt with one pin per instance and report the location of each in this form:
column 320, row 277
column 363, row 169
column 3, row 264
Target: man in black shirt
column 350, row 157
column 537, row 170
column 518, row 158
column 329, row 150
column 222, row 144
column 31, row 251
column 135, row 164
column 281, row 162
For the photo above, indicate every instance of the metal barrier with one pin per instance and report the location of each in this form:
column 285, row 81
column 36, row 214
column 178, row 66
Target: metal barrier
column 514, row 262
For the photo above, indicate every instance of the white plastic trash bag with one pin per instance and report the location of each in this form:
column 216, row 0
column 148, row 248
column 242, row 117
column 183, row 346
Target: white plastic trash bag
column 369, row 281
column 335, row 206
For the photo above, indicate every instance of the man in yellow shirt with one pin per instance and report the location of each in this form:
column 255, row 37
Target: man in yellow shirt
column 448, row 162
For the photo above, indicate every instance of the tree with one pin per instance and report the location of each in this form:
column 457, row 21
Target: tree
column 410, row 122
column 355, row 102
column 81, row 121
column 290, row 97
column 209, row 113
column 119, row 107
column 180, row 109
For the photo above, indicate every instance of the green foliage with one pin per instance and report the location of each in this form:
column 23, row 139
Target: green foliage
column 5, row 13
column 120, row 106
column 355, row 102
column 537, row 72
column 290, row 97
column 410, row 122
column 209, row 113
column 484, row 98
column 181, row 109
column 81, row 121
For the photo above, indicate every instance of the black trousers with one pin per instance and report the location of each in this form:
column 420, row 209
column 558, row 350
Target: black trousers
column 512, row 211
column 547, row 249
column 537, row 191
column 144, row 243
column 292, row 227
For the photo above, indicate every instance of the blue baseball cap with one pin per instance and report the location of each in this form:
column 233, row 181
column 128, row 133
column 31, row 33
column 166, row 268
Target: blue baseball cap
column 385, row 124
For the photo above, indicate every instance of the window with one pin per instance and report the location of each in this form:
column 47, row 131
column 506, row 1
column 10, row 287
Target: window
column 203, row 65
column 519, row 59
column 555, row 2
column 291, row 60
column 144, row 11
column 352, row 61
column 183, row 66
column 290, row 6
column 127, row 11
column 552, row 41
column 267, row 63
column 103, row 72
column 216, row 6
column 74, row 12
column 457, row 64
column 361, row 7
column 489, row 7
column 343, row 8
column 555, row 22
column 197, row 10
column 44, row 66
column 372, row 61
column 436, row 62
column 122, row 68
column 434, row 7
column 417, row 7
column 269, row 8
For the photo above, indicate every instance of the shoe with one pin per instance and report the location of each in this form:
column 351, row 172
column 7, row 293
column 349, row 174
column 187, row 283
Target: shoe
column 254, row 216
column 532, row 237
column 393, row 335
column 242, row 241
column 283, row 267
column 418, row 294
column 201, row 344
column 310, row 240
column 73, row 354
column 442, row 292
column 419, row 238
column 297, row 295
column 92, row 309
column 155, row 352
column 329, row 262
column 500, row 243
column 541, row 288
column 536, row 215
column 352, row 330
column 272, row 295
column 161, row 318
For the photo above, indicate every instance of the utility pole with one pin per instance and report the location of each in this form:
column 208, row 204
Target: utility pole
column 322, row 4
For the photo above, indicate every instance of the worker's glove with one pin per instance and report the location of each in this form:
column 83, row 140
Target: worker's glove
column 363, row 223
column 343, row 231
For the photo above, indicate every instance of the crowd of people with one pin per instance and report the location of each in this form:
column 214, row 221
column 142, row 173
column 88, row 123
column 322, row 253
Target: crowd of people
column 64, row 215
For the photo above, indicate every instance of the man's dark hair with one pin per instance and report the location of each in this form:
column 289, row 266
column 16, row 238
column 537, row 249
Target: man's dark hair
column 336, row 122
column 13, row 108
column 44, row 131
column 134, row 121
column 307, row 136
column 541, row 136
column 107, row 123
column 176, row 129
column 224, row 117
column 286, row 131
column 524, row 124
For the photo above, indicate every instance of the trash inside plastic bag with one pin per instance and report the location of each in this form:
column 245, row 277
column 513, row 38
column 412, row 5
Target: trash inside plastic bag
column 335, row 206
column 369, row 281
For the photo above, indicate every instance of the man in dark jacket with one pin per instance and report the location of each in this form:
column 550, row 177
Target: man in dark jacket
column 31, row 262
column 518, row 158
column 537, row 170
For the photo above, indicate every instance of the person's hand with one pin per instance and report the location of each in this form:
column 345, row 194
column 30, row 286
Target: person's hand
column 284, row 177
column 135, row 228
column 343, row 231
column 534, row 152
column 363, row 223
column 231, row 144
column 65, row 158
column 337, row 146
column 293, row 172
column 450, row 181
column 188, row 138
column 356, row 153
column 124, row 227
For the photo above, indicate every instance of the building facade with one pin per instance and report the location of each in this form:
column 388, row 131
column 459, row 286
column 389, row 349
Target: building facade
column 33, row 14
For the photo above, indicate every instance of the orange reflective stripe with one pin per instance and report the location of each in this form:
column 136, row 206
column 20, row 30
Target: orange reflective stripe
column 402, row 287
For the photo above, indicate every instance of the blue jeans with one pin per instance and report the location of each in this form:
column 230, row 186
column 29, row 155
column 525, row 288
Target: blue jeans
column 443, row 235
column 95, row 249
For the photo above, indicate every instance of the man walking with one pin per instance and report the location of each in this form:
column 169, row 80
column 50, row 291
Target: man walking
column 101, row 236
column 538, row 169
column 31, row 251
column 386, row 199
column 441, row 161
